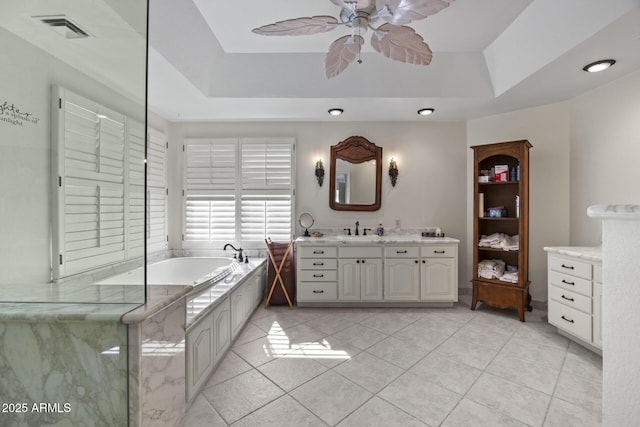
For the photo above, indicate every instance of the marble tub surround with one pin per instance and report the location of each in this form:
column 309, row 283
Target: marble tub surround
column 157, row 367
column 621, row 293
column 157, row 337
column 80, row 366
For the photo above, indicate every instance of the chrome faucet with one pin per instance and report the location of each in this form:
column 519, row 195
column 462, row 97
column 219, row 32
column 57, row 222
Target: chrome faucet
column 240, row 259
column 357, row 224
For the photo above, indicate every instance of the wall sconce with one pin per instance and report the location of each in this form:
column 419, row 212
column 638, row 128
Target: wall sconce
column 393, row 172
column 319, row 172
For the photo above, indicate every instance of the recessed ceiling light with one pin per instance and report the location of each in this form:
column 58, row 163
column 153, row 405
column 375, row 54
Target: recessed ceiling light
column 602, row 65
column 336, row 111
column 426, row 111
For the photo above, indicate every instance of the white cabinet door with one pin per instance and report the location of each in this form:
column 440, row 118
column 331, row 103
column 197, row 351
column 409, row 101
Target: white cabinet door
column 597, row 314
column 221, row 329
column 401, row 280
column 438, row 279
column 200, row 354
column 371, row 279
column 349, row 280
column 238, row 310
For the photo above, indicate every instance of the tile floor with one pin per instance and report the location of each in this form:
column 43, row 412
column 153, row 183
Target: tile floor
column 401, row 367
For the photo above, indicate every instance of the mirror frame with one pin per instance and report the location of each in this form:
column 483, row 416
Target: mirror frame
column 355, row 149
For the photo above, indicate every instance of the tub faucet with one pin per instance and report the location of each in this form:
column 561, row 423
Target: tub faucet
column 357, row 224
column 237, row 250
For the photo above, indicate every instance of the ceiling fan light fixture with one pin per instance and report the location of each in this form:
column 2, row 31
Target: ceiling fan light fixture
column 336, row 111
column 426, row 111
column 597, row 66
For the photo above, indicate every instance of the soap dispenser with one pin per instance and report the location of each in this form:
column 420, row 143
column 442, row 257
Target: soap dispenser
column 380, row 230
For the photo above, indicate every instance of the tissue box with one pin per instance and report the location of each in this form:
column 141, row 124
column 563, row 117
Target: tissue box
column 501, row 173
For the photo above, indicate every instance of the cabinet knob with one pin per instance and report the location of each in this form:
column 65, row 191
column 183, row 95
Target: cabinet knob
column 318, row 275
column 416, row 261
column 424, row 262
column 363, row 261
column 357, row 261
column 438, row 252
column 318, row 252
column 315, row 291
column 568, row 283
column 318, row 263
column 567, row 298
column 401, row 252
column 570, row 267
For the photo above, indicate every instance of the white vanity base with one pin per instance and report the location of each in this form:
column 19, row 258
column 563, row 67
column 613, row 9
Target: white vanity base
column 371, row 271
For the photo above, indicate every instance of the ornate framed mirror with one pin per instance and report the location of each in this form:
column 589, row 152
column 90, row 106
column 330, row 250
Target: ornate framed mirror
column 355, row 175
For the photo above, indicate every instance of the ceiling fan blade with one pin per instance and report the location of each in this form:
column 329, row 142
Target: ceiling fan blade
column 342, row 53
column 402, row 44
column 400, row 12
column 298, row 26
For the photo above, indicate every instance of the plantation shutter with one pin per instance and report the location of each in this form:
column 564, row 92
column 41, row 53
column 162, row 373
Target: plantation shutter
column 135, row 185
column 209, row 183
column 267, row 190
column 89, row 171
column 156, row 191
column 238, row 190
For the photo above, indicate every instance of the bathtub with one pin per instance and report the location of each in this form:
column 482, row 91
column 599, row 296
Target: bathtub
column 187, row 271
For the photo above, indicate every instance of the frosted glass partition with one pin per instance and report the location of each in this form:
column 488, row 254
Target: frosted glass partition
column 72, row 140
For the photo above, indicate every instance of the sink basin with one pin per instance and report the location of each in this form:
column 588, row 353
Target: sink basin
column 362, row 239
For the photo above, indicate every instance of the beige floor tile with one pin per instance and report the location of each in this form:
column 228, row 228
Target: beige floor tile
column 447, row 373
column 378, row 413
column 283, row 411
column 369, row 372
column 290, row 372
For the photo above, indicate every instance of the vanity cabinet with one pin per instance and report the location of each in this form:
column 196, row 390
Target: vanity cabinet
column 359, row 273
column 411, row 271
column 402, row 273
column 317, row 273
column 439, row 273
column 575, row 296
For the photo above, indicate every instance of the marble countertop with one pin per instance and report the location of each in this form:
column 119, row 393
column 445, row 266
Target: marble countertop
column 630, row 212
column 372, row 239
column 588, row 253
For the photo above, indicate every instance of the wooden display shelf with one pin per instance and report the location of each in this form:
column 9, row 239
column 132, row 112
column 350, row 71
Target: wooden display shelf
column 496, row 292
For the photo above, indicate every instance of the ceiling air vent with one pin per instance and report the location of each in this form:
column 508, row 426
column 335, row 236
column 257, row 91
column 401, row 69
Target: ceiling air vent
column 63, row 26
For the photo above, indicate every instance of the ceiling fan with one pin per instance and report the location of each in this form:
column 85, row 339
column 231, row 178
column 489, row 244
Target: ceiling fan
column 393, row 38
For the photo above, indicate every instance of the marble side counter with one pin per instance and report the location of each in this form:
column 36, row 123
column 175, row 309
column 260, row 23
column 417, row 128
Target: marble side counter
column 587, row 253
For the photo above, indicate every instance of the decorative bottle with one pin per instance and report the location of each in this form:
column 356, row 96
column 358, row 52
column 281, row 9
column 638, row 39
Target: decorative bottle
column 380, row 230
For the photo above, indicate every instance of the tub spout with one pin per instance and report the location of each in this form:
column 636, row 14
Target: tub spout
column 240, row 259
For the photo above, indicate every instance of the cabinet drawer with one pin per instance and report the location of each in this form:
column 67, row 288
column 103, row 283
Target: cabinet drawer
column 317, row 276
column 570, row 299
column 317, row 291
column 597, row 273
column 570, row 320
column 318, row 264
column 401, row 252
column 570, row 266
column 318, row 251
column 572, row 283
column 438, row 251
column 360, row 252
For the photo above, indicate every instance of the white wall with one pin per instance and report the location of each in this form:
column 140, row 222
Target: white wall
column 25, row 166
column 547, row 129
column 605, row 149
column 431, row 184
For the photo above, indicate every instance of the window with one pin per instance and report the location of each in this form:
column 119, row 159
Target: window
column 238, row 191
column 98, row 176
